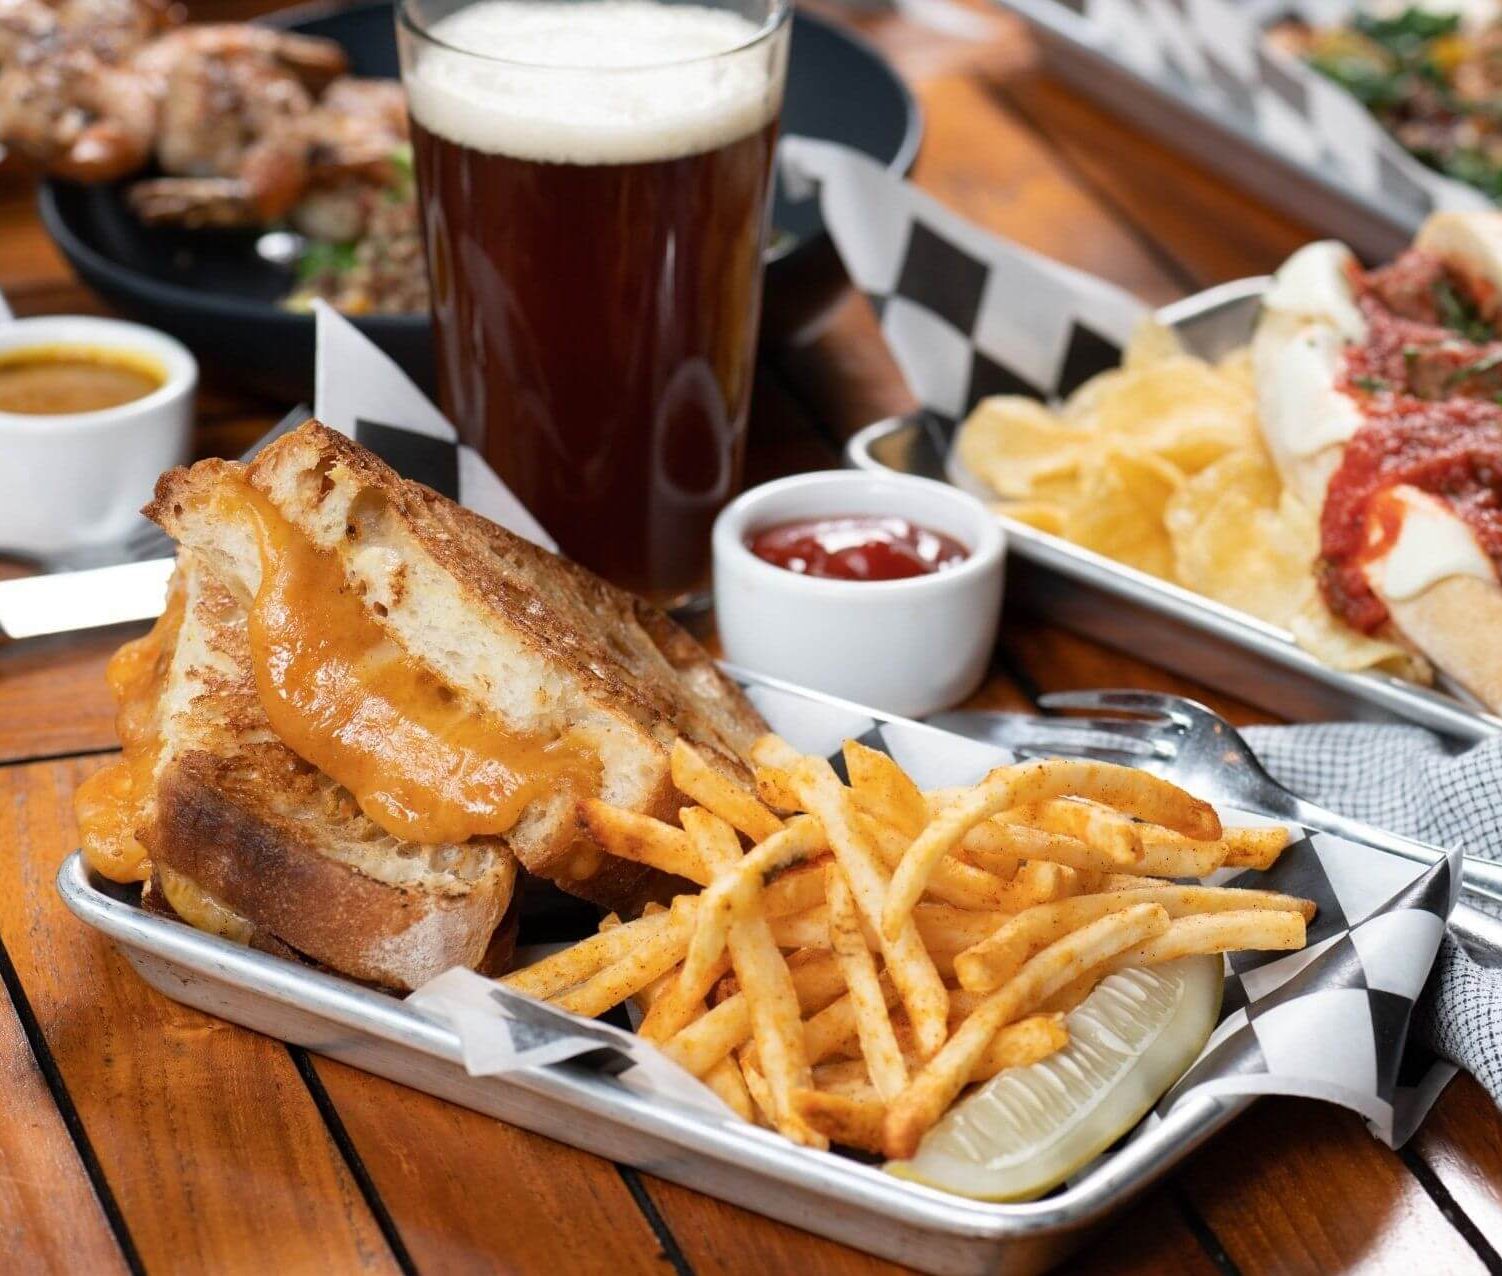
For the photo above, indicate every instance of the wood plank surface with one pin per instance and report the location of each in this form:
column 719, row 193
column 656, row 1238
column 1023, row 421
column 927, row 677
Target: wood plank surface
column 205, row 1134
column 50, row 1218
column 218, row 1150
column 468, row 1194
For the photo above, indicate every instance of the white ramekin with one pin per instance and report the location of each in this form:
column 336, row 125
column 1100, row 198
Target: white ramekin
column 74, row 482
column 908, row 647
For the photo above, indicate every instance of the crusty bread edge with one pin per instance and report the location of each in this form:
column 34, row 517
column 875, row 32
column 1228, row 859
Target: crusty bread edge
column 259, row 866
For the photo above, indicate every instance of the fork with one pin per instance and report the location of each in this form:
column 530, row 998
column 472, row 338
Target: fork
column 1183, row 741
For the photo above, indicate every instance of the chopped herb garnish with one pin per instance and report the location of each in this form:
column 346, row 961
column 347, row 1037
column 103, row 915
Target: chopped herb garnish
column 322, row 258
column 1480, row 368
column 1372, row 385
column 1458, row 312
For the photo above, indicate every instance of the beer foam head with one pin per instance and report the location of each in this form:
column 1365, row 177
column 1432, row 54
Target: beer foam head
column 594, row 81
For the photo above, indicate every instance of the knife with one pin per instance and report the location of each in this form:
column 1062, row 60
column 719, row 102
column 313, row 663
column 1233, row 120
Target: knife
column 65, row 601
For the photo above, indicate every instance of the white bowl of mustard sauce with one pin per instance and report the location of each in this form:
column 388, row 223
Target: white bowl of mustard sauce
column 91, row 412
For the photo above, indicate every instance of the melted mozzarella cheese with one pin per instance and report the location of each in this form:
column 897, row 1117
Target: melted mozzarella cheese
column 1315, row 284
column 1298, row 378
column 1432, row 543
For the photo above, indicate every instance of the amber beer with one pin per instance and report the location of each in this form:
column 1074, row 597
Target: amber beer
column 595, row 184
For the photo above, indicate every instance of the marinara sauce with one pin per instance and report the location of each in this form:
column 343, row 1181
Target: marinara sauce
column 857, row 547
column 1428, row 377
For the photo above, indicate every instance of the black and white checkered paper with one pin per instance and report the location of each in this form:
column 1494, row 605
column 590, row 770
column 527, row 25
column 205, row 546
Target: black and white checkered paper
column 1329, row 1022
column 1218, row 51
column 965, row 313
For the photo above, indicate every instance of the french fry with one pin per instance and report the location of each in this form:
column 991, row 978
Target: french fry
column 1109, row 832
column 643, row 840
column 725, row 1080
column 953, row 880
column 562, row 970
column 1257, row 848
column 774, row 786
column 1021, row 1044
column 1015, row 1046
column 712, row 1037
column 1248, row 930
column 761, row 1094
column 776, row 1019
column 907, row 961
column 798, row 888
column 932, row 1090
column 853, row 1121
column 1168, row 856
column 994, row 960
column 1135, row 792
column 642, row 963
column 717, row 793
column 873, row 1026
column 1130, row 882
column 702, row 1044
column 827, row 1032
column 885, row 790
column 1002, row 848
column 1072, row 993
column 679, row 1002
column 843, row 1076
column 947, row 930
column 734, row 892
column 773, row 751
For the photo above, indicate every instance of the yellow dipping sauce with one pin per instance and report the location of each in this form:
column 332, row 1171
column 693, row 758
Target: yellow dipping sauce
column 57, row 380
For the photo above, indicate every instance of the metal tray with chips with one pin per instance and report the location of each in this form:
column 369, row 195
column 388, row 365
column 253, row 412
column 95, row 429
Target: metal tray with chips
column 1162, row 622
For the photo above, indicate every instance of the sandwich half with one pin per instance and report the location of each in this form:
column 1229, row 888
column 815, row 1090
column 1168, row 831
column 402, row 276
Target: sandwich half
column 1380, row 397
column 365, row 704
column 242, row 837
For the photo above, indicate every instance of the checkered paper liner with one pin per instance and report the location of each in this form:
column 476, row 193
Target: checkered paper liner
column 1329, row 1022
column 1218, row 51
column 966, row 314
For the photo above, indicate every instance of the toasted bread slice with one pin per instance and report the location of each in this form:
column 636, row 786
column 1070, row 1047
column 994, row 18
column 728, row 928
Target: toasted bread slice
column 250, row 841
column 544, row 647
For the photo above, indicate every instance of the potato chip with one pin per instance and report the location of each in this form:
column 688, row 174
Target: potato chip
column 1013, row 443
column 1121, row 513
column 1231, row 542
column 1151, row 343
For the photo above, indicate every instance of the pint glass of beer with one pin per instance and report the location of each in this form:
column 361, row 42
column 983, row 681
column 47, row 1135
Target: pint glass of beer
column 595, row 178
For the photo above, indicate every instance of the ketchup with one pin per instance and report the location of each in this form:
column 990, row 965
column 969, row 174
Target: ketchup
column 857, row 547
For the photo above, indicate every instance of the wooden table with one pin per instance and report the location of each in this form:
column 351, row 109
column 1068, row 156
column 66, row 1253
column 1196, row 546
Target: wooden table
column 135, row 1134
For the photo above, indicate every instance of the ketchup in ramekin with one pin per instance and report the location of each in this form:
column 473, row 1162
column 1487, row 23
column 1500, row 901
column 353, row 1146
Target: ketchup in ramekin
column 857, row 547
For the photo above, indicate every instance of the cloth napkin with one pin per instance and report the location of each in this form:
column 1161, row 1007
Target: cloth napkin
column 1412, row 782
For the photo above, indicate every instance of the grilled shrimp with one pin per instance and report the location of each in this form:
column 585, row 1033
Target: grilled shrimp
column 313, row 60
column 79, row 116
column 233, row 134
column 25, row 24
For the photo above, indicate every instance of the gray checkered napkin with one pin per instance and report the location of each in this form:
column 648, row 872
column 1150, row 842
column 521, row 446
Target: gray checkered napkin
column 1409, row 781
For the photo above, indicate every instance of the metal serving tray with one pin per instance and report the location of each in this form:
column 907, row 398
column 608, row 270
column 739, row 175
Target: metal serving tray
column 1218, row 139
column 1161, row 622
column 821, row 1192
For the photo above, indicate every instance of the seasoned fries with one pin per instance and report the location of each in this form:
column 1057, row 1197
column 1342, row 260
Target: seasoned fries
column 860, row 954
column 872, row 1023
column 1131, row 792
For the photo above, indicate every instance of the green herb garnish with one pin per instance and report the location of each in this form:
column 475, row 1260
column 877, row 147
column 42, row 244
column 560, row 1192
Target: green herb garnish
column 322, row 258
column 1372, row 385
column 1458, row 313
column 1480, row 368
